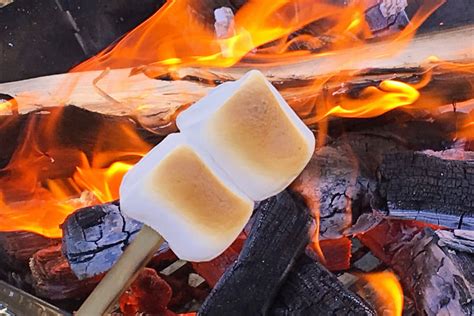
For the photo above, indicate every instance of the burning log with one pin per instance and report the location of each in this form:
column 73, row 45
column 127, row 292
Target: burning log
column 338, row 181
column 304, row 288
column 16, row 248
column 53, row 278
column 126, row 95
column 94, row 238
column 311, row 290
column 282, row 223
column 433, row 187
column 435, row 267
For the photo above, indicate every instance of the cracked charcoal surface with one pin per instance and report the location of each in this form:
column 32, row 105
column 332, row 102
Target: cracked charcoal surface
column 429, row 187
column 340, row 178
column 312, row 290
column 94, row 238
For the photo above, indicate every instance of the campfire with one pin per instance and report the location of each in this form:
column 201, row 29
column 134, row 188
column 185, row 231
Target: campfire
column 379, row 221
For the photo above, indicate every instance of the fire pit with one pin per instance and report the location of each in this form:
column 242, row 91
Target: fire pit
column 381, row 220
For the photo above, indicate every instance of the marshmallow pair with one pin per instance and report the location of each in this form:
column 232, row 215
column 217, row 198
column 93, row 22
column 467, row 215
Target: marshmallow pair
column 239, row 144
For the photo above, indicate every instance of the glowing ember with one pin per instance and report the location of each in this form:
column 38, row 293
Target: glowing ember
column 388, row 291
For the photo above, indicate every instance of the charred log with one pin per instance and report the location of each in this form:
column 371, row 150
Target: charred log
column 436, row 274
column 16, row 248
column 53, row 278
column 310, row 289
column 279, row 234
column 338, row 181
column 433, row 187
column 94, row 238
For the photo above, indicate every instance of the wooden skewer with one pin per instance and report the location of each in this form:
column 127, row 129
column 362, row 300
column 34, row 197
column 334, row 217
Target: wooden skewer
column 122, row 274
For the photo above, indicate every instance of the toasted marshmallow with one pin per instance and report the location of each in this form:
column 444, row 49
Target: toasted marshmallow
column 251, row 133
column 180, row 192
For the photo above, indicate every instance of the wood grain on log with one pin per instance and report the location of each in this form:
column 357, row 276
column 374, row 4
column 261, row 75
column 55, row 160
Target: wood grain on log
column 311, row 290
column 95, row 237
column 53, row 278
column 439, row 278
column 279, row 234
column 153, row 102
column 16, row 248
column 433, row 187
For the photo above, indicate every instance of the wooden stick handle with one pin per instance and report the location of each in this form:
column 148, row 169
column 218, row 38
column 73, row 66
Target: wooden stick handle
column 122, row 274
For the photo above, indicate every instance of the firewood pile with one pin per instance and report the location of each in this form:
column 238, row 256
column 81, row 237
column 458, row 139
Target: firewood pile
column 387, row 194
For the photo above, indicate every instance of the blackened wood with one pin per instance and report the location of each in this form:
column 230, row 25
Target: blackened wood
column 433, row 187
column 338, row 181
column 94, row 238
column 278, row 235
column 310, row 289
column 16, row 248
column 439, row 277
column 53, row 278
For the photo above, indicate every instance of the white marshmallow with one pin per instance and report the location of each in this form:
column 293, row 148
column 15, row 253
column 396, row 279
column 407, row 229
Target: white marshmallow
column 179, row 191
column 251, row 133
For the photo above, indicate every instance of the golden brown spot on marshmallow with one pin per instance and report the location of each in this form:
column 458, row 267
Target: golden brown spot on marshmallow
column 192, row 190
column 253, row 127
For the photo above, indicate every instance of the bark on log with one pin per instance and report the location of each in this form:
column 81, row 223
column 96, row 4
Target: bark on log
column 312, row 290
column 16, row 248
column 439, row 277
column 94, row 238
column 53, row 279
column 433, row 187
column 279, row 234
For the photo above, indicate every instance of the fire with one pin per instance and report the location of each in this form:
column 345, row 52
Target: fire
column 176, row 36
column 388, row 291
column 375, row 101
column 47, row 178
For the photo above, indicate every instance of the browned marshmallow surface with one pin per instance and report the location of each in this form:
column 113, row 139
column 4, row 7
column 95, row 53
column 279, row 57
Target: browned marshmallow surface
column 184, row 182
column 252, row 126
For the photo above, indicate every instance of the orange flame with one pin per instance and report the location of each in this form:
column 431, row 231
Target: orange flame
column 375, row 101
column 388, row 291
column 176, row 36
column 55, row 178
column 46, row 180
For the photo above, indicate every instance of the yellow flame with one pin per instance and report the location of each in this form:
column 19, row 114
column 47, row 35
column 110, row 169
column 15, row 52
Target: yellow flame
column 388, row 289
column 375, row 101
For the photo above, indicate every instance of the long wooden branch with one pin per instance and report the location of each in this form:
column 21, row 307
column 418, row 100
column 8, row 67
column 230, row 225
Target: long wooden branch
column 153, row 101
